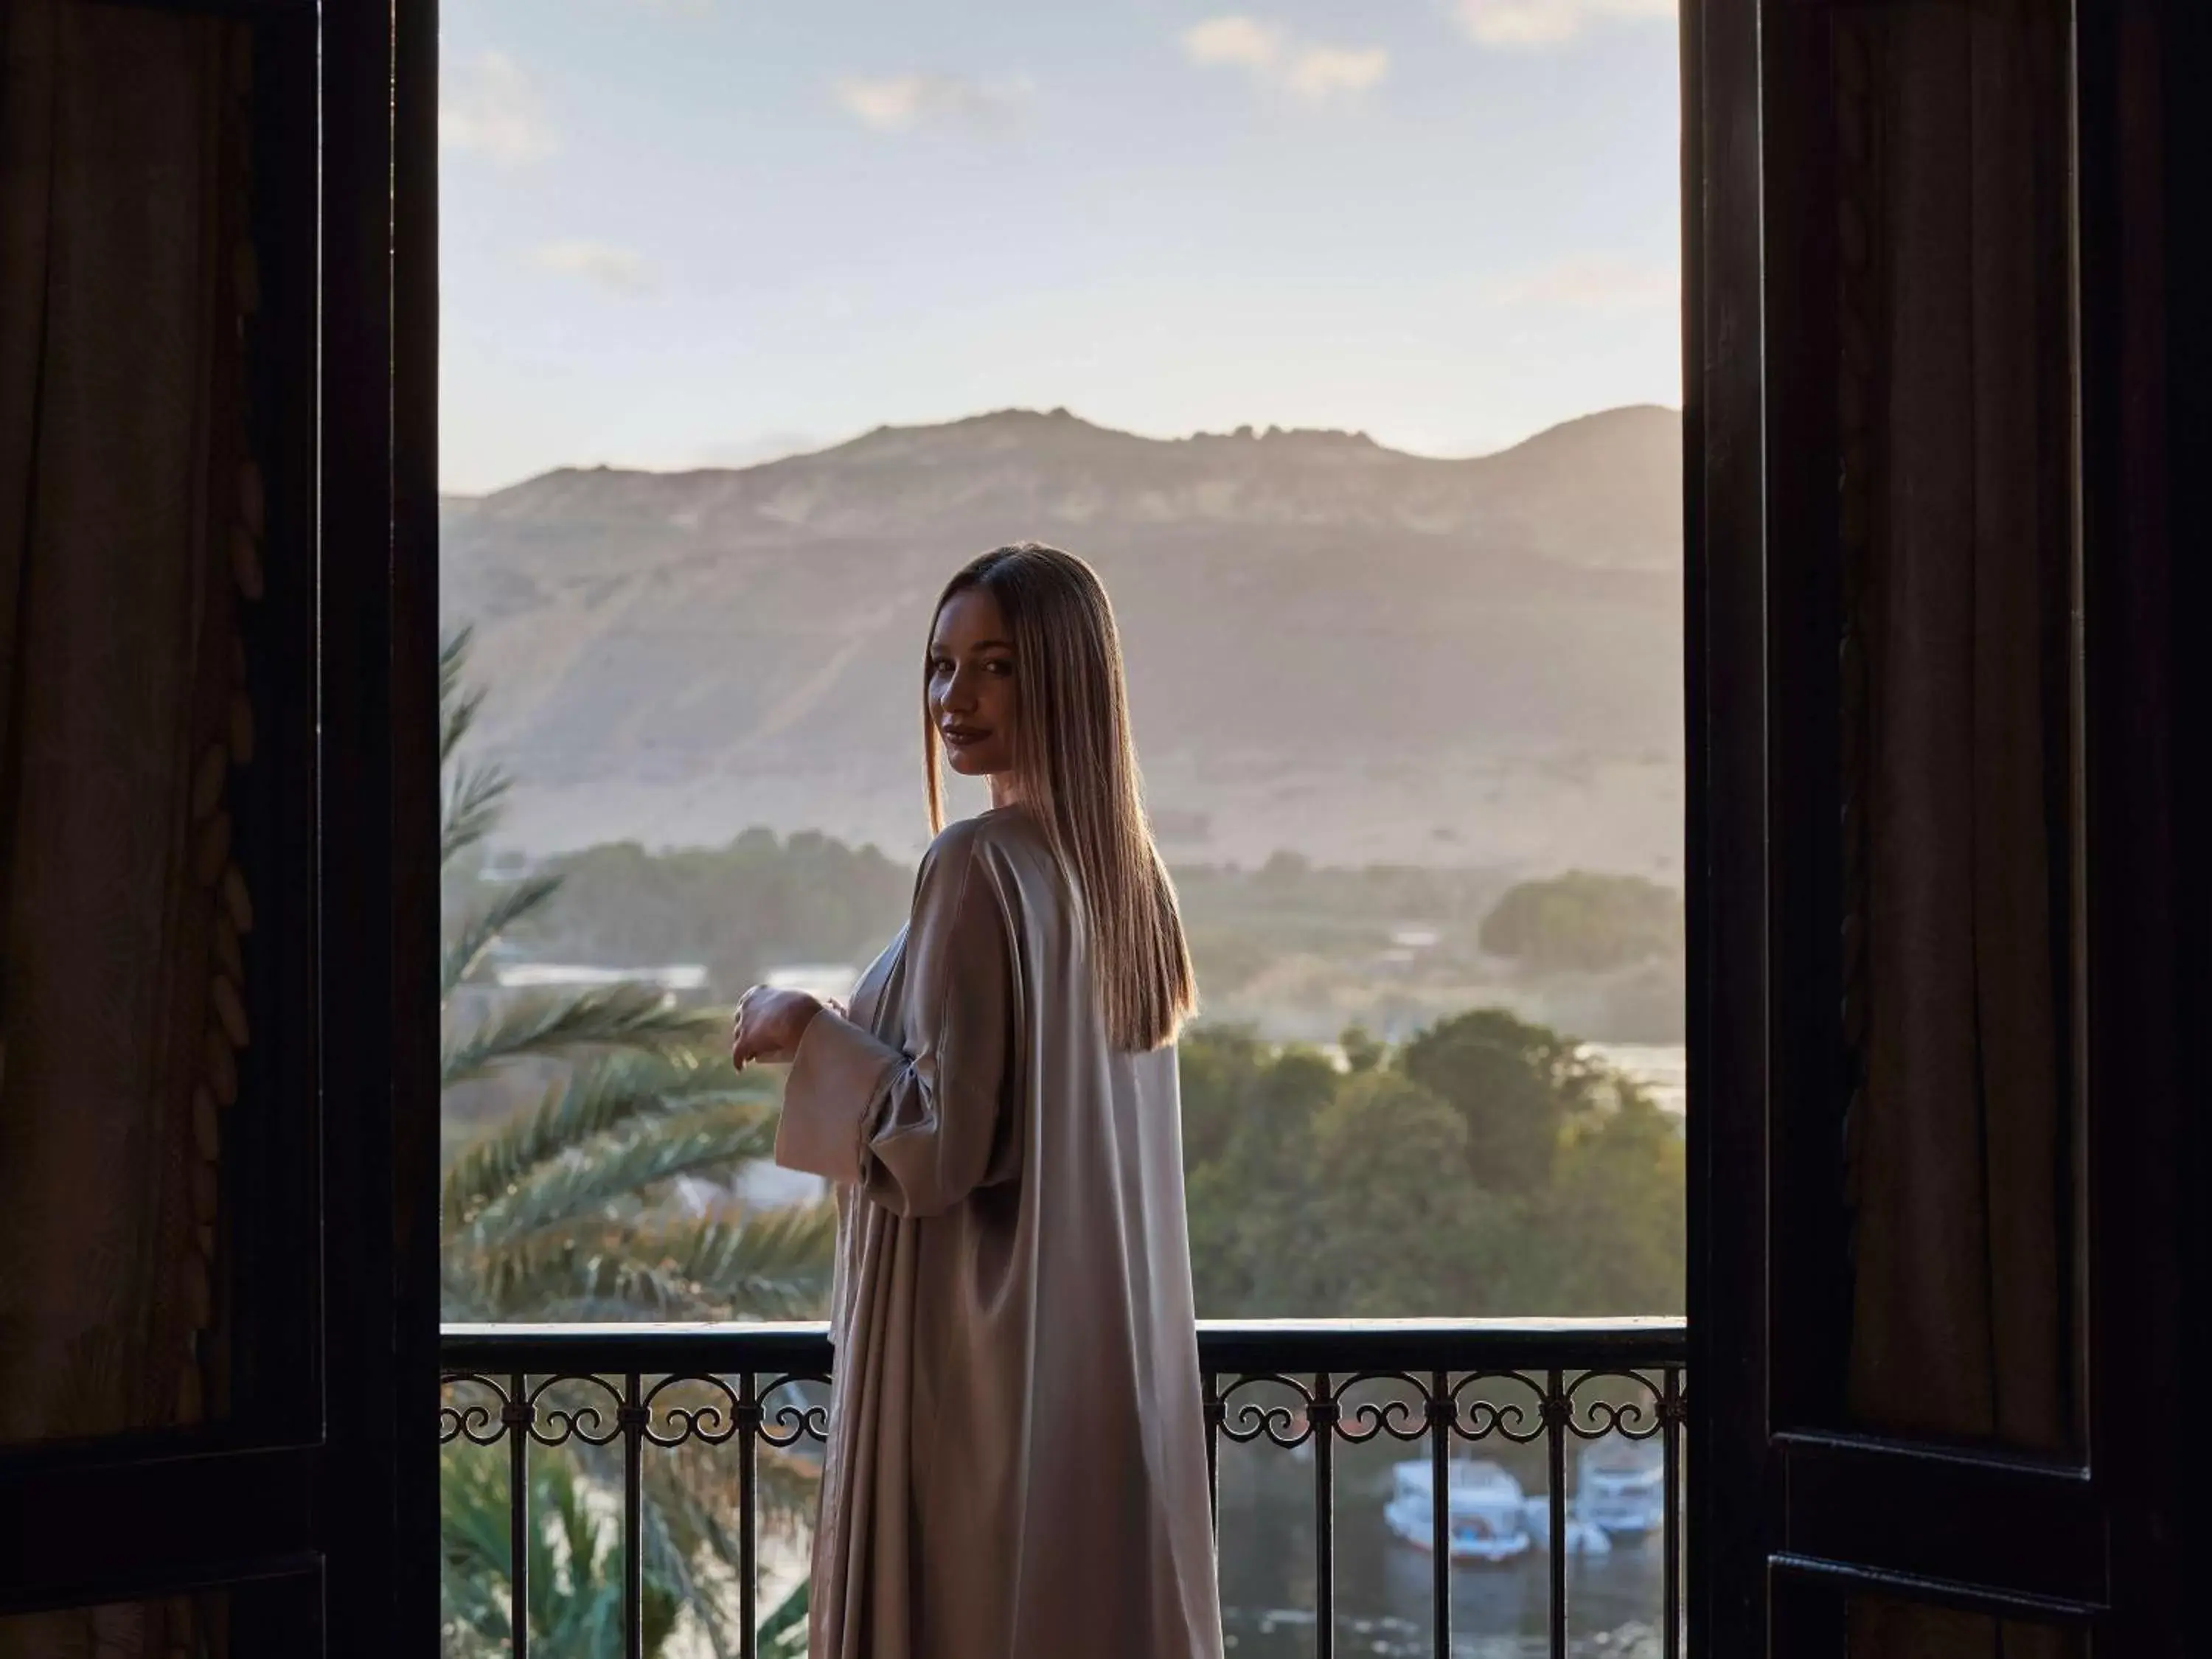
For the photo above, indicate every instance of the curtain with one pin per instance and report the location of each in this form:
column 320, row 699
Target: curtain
column 1954, row 405
column 129, row 517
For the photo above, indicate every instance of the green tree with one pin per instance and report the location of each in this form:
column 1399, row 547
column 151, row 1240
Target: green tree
column 1247, row 1117
column 1363, row 1050
column 1514, row 1083
column 739, row 910
column 1388, row 1237
column 1613, row 1217
column 1484, row 1168
column 1585, row 921
column 571, row 1211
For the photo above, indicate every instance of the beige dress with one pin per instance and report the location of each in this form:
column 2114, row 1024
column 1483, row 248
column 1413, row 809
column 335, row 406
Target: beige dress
column 1017, row 1459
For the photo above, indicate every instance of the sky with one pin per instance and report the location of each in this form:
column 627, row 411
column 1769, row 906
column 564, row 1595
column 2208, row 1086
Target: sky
column 699, row 232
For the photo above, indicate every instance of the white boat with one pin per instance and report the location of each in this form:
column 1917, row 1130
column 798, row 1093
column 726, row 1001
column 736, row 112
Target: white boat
column 1485, row 1523
column 1584, row 1537
column 1620, row 1486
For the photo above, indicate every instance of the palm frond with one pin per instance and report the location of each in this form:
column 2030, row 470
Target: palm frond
column 478, row 931
column 473, row 1532
column 576, row 1592
column 472, row 798
column 554, row 1215
column 587, row 1104
column 586, row 1182
column 783, row 1633
column 580, row 1277
column 472, row 794
column 765, row 1259
column 457, row 705
column 688, row 1548
column 769, row 1265
column 453, row 656
column 456, row 713
column 636, row 1017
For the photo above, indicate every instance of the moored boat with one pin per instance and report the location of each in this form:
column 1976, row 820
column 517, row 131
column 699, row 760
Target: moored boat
column 1620, row 1486
column 1484, row 1518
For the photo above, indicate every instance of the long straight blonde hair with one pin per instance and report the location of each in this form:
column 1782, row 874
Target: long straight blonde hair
column 1075, row 769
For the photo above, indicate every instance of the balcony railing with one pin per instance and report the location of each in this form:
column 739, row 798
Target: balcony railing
column 1308, row 1388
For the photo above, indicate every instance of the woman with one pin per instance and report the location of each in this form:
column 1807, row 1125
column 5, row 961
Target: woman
column 1017, row 1462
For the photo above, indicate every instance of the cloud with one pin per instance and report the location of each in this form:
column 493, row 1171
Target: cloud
column 1595, row 284
column 617, row 269
column 1244, row 41
column 1537, row 23
column 894, row 103
column 1309, row 71
column 487, row 105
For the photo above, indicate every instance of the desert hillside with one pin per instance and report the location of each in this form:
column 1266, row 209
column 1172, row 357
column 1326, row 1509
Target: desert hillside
column 1335, row 648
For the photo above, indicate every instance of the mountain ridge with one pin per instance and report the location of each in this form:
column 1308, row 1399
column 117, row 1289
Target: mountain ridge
column 1336, row 646
column 1544, row 438
column 1059, row 469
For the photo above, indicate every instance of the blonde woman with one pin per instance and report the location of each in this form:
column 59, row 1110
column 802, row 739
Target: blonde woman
column 1016, row 1461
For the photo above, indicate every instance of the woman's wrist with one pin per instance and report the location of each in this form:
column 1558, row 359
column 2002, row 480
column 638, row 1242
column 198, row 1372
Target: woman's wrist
column 769, row 1024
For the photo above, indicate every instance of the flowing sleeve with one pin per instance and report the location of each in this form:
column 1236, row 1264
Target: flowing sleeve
column 914, row 1129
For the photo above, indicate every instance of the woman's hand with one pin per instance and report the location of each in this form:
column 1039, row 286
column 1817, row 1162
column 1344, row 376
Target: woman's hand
column 768, row 1024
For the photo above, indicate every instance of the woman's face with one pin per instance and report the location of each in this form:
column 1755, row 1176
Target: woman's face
column 973, row 698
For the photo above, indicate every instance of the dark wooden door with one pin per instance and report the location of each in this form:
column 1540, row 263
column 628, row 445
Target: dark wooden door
column 262, row 173
column 1941, row 721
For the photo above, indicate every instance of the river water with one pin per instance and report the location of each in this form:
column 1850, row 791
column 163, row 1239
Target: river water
column 1384, row 1587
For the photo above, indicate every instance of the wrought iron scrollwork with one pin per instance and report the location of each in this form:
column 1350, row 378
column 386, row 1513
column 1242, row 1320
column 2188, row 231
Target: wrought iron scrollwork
column 788, row 1424
column 1632, row 1419
column 1470, row 1406
column 1477, row 1418
column 1398, row 1418
column 715, row 1424
column 657, row 1418
column 1355, row 1392
column 1252, row 1420
column 459, row 1421
column 551, row 1425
